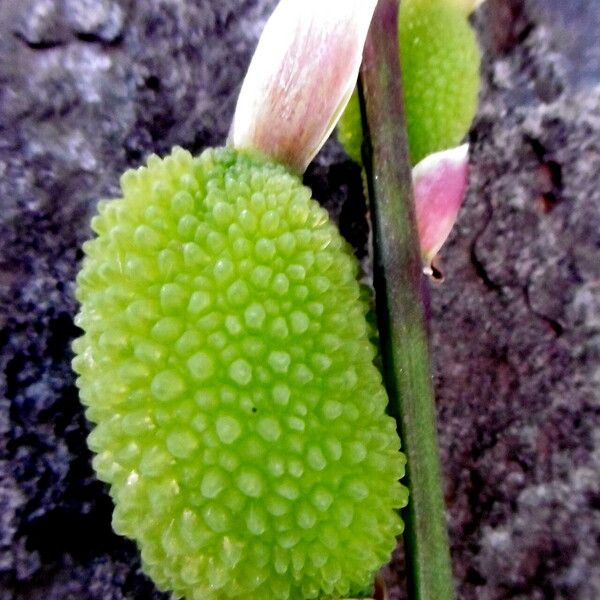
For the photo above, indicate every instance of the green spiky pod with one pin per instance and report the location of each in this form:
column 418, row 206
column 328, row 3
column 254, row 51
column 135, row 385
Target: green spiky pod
column 227, row 367
column 440, row 61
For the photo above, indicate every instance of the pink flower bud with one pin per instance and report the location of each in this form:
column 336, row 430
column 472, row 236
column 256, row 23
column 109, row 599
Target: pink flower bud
column 301, row 78
column 439, row 183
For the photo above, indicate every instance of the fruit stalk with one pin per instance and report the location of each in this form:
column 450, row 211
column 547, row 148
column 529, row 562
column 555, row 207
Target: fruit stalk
column 398, row 284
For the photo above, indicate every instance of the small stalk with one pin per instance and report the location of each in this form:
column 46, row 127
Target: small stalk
column 398, row 285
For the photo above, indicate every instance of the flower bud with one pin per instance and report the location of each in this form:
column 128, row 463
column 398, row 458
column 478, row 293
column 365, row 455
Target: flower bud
column 301, row 78
column 440, row 184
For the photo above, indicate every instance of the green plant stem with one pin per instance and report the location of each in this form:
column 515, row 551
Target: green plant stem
column 398, row 285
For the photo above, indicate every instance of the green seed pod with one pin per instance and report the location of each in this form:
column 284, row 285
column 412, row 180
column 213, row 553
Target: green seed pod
column 440, row 62
column 349, row 129
column 439, row 58
column 225, row 362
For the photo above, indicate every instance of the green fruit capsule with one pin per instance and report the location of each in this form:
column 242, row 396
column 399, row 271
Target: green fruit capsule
column 440, row 60
column 349, row 129
column 226, row 365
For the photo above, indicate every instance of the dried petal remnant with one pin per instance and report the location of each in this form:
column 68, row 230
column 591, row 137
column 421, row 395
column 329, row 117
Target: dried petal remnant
column 301, row 78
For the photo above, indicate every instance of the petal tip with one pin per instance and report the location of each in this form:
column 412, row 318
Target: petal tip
column 440, row 184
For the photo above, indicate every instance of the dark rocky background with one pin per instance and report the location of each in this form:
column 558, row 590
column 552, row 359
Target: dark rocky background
column 91, row 87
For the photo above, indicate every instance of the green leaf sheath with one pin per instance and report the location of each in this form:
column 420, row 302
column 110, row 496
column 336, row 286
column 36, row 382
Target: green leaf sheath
column 440, row 60
column 400, row 311
column 226, row 365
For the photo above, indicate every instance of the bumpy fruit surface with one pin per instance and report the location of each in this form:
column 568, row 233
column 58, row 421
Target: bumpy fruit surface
column 226, row 364
column 440, row 61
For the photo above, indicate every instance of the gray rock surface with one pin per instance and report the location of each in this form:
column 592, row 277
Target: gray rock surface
column 516, row 325
column 90, row 88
